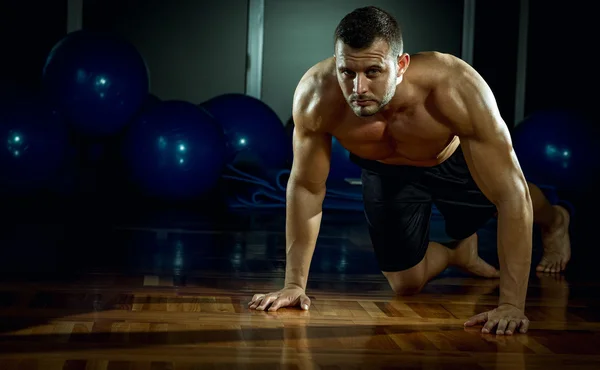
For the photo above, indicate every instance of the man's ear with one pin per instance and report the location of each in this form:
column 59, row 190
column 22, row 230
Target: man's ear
column 403, row 62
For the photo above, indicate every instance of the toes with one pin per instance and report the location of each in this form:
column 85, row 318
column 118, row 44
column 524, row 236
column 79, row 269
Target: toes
column 546, row 267
column 542, row 267
column 556, row 268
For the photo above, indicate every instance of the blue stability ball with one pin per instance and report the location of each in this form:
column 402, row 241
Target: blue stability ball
column 342, row 167
column 174, row 150
column 35, row 145
column 99, row 81
column 553, row 148
column 253, row 130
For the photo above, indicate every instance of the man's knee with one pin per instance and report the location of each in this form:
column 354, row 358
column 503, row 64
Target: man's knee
column 408, row 282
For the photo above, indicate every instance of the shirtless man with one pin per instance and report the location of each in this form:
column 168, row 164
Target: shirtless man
column 425, row 129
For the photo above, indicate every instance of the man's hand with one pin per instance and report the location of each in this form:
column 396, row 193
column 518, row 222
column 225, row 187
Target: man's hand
column 508, row 319
column 286, row 297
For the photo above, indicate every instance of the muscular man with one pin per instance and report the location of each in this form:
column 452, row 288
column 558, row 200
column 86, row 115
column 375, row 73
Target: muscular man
column 426, row 130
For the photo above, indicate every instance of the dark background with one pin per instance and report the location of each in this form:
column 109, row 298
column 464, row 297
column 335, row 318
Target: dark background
column 196, row 50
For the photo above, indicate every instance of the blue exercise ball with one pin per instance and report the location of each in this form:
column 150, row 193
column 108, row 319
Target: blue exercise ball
column 174, row 150
column 36, row 146
column 553, row 148
column 99, row 80
column 342, row 168
column 255, row 134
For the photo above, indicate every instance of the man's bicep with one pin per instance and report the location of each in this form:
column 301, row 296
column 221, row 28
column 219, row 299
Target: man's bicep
column 494, row 167
column 312, row 153
column 472, row 112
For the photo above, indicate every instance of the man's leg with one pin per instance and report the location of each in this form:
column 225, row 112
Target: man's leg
column 398, row 212
column 554, row 225
column 437, row 258
column 465, row 210
column 552, row 219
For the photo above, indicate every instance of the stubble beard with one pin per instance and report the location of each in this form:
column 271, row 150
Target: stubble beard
column 371, row 110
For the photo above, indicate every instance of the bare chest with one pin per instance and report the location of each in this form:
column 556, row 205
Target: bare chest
column 414, row 138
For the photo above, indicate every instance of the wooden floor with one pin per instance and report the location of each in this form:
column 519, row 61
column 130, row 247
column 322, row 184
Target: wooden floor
column 174, row 296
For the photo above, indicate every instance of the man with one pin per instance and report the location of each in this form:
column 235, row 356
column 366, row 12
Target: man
column 428, row 133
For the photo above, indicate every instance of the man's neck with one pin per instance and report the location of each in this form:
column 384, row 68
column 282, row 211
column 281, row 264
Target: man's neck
column 402, row 101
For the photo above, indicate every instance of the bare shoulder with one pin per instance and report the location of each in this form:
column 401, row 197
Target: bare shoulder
column 462, row 95
column 316, row 98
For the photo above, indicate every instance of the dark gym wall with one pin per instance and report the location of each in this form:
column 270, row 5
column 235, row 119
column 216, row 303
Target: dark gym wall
column 495, row 51
column 298, row 34
column 194, row 49
column 188, row 62
column 27, row 34
column 562, row 69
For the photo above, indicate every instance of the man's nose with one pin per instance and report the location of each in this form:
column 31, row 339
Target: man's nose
column 361, row 84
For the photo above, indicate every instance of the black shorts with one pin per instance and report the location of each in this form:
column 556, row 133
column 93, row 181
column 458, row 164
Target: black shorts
column 398, row 203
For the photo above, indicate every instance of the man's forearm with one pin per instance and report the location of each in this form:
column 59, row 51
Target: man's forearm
column 515, row 230
column 303, row 220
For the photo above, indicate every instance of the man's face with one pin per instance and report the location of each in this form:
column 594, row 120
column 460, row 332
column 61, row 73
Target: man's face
column 367, row 77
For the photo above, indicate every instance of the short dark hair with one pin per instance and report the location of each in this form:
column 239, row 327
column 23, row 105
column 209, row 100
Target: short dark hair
column 360, row 28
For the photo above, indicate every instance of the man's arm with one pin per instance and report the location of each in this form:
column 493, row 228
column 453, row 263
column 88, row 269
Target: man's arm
column 304, row 197
column 470, row 107
column 304, row 200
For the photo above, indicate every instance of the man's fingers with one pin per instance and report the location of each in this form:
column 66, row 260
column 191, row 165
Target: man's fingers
column 304, row 302
column 266, row 302
column 524, row 326
column 279, row 302
column 477, row 319
column 489, row 326
column 257, row 297
column 276, row 300
column 255, row 302
column 502, row 324
column 512, row 325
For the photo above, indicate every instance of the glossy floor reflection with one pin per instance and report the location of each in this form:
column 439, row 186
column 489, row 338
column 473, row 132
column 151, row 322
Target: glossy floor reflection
column 170, row 291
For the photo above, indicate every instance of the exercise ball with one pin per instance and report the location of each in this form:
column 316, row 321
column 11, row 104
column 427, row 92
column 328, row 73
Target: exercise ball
column 98, row 80
column 36, row 146
column 174, row 150
column 342, row 168
column 553, row 148
column 255, row 134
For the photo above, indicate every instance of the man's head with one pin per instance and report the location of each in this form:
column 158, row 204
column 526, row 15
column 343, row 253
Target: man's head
column 369, row 59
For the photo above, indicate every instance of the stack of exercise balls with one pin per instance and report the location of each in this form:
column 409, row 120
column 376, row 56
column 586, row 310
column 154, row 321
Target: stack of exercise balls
column 96, row 91
column 101, row 84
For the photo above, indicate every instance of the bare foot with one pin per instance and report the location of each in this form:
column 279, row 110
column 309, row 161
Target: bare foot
column 466, row 257
column 557, row 245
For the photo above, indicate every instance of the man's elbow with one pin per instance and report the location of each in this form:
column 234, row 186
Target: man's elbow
column 298, row 185
column 516, row 203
